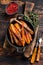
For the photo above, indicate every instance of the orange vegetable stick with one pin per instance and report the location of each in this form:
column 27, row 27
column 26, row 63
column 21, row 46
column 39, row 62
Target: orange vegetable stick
column 27, row 37
column 23, row 35
column 16, row 40
column 17, row 26
column 17, row 31
column 30, row 37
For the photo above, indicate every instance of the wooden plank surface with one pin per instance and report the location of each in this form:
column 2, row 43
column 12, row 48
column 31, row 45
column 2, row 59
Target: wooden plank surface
column 15, row 59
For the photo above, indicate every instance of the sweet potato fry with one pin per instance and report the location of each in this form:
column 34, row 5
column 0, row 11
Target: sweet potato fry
column 17, row 31
column 11, row 37
column 23, row 35
column 17, row 26
column 30, row 37
column 16, row 40
column 27, row 38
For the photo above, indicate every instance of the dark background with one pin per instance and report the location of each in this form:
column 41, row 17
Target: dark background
column 4, row 21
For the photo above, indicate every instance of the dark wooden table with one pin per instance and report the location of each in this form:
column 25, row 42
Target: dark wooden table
column 15, row 59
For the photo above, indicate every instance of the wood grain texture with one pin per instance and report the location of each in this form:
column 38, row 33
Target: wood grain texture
column 15, row 59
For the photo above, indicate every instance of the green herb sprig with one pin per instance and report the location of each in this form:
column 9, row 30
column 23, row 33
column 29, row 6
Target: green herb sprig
column 33, row 18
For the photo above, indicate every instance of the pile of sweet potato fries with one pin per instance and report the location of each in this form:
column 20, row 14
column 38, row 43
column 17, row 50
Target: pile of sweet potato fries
column 20, row 33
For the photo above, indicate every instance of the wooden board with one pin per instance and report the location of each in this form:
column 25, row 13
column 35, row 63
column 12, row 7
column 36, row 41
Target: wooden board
column 15, row 59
